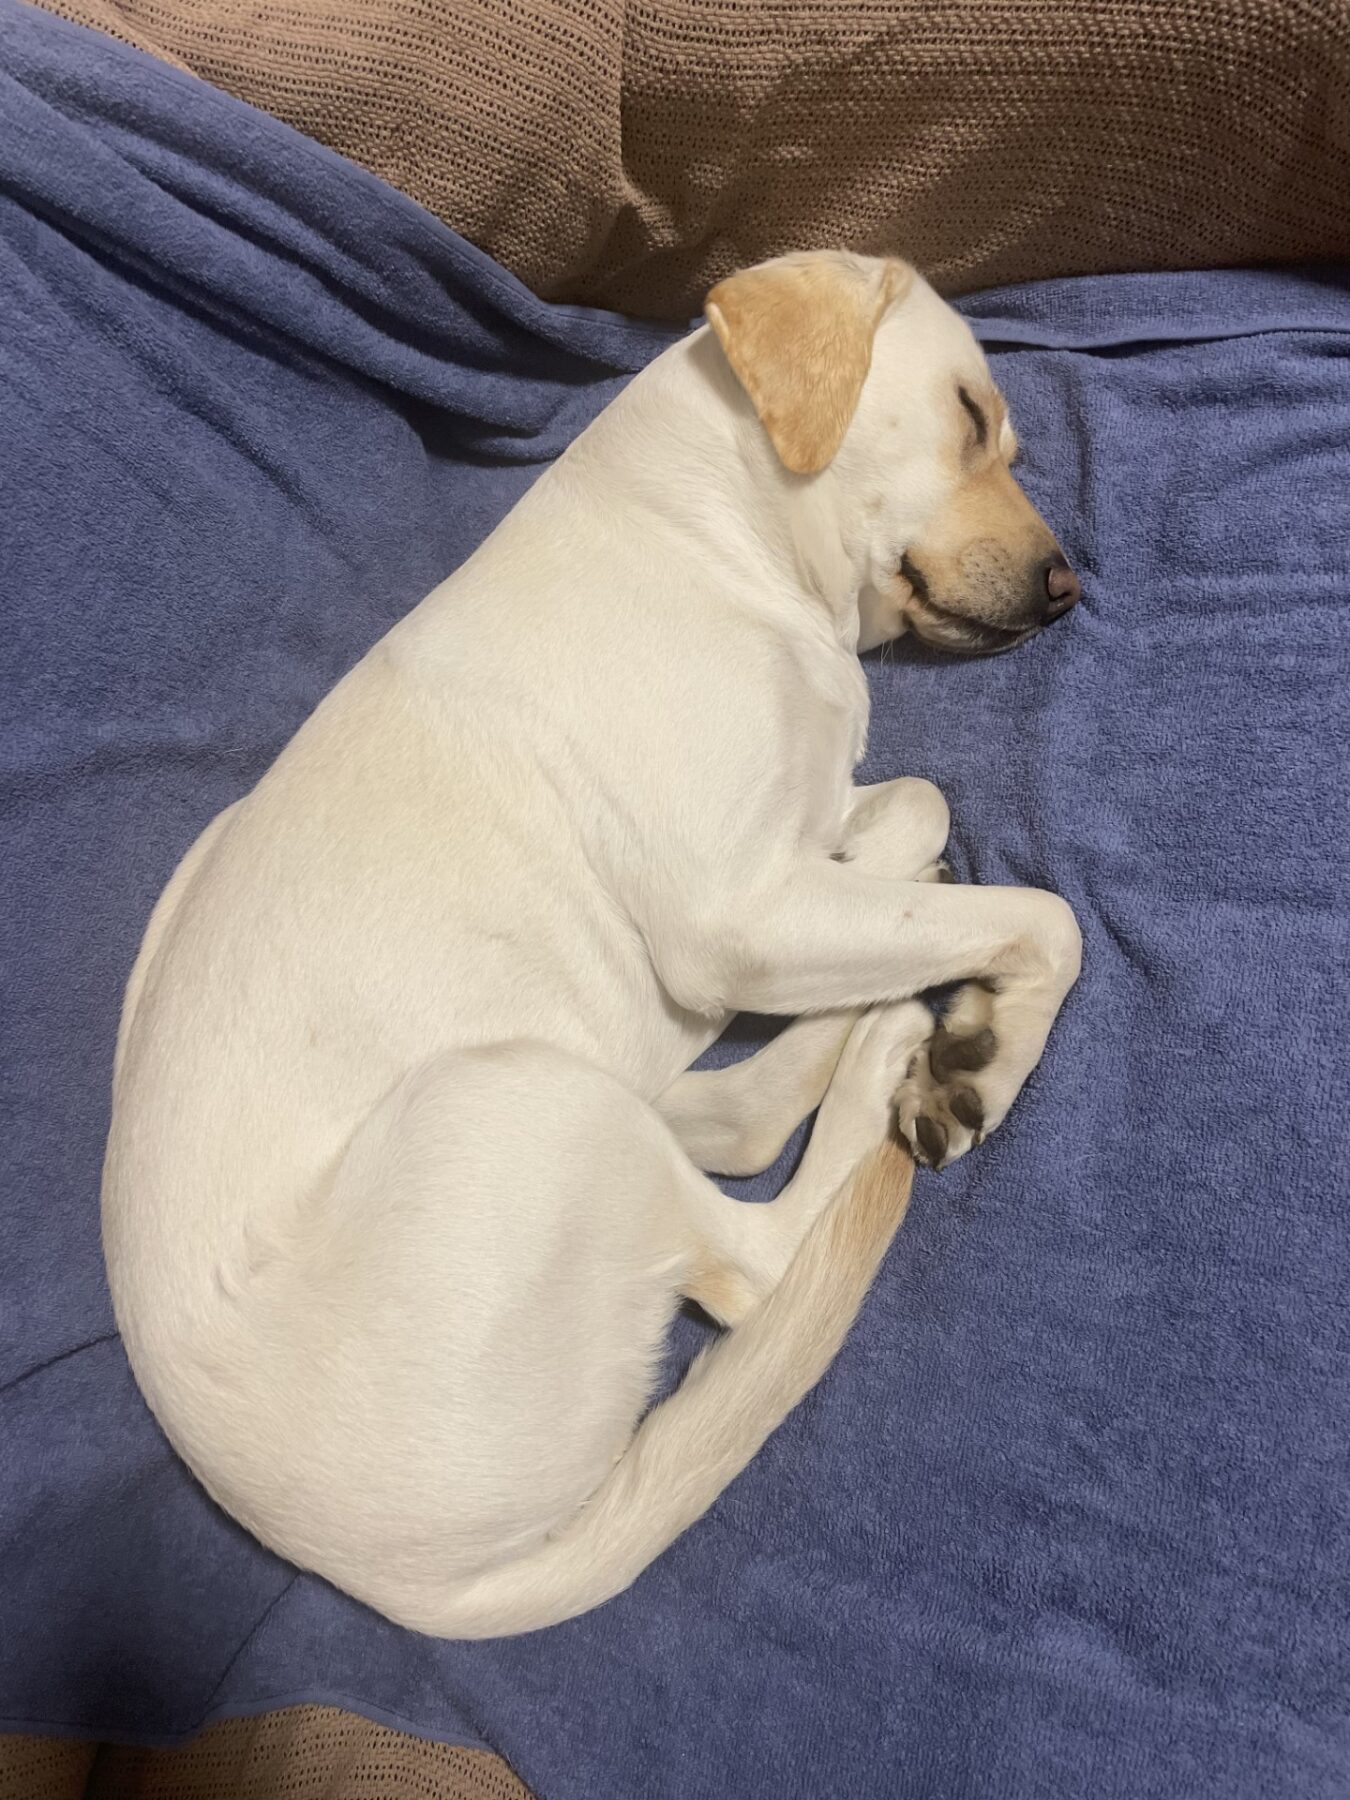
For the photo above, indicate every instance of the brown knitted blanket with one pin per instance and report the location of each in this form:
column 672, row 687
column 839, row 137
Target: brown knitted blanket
column 296, row 1753
column 631, row 152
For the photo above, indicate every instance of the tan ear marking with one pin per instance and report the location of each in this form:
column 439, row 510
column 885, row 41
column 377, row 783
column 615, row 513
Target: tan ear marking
column 798, row 333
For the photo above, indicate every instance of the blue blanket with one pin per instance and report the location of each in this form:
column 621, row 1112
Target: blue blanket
column 1071, row 1516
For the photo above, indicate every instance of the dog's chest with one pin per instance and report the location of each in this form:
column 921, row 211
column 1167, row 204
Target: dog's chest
column 831, row 732
column 840, row 696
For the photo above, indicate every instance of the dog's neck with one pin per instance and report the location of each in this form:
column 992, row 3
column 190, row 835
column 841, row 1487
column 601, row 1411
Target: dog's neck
column 719, row 481
column 830, row 578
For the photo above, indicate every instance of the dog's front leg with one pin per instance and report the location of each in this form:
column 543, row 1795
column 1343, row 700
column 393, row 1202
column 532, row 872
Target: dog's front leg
column 830, row 936
column 898, row 829
column 735, row 1121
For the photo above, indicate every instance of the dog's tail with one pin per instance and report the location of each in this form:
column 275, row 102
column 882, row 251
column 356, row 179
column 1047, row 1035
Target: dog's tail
column 693, row 1444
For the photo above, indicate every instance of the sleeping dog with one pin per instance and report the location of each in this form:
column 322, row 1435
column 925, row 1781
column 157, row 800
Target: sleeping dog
column 404, row 1182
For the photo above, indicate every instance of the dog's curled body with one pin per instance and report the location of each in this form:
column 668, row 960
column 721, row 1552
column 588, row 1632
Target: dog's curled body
column 399, row 1198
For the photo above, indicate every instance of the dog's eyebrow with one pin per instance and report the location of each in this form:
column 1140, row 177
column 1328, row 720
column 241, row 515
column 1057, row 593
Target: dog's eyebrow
column 977, row 417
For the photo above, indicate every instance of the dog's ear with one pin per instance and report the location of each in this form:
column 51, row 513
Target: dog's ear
column 798, row 332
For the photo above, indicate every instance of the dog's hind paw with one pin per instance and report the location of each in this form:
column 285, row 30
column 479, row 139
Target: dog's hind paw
column 942, row 1106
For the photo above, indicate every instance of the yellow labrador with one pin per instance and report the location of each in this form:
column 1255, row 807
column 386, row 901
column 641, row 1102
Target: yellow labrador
column 403, row 1184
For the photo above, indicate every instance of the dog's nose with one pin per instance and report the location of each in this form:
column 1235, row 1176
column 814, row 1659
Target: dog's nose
column 1062, row 588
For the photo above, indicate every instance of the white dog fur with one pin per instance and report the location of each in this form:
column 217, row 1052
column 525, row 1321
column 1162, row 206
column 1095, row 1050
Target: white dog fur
column 403, row 1184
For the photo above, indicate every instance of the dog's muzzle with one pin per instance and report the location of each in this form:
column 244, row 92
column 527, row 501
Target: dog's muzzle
column 1052, row 590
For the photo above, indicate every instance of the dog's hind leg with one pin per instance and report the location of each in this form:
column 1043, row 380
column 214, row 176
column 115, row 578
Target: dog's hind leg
column 736, row 1120
column 746, row 1247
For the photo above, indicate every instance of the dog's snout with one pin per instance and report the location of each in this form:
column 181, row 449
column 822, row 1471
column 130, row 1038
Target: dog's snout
column 1062, row 588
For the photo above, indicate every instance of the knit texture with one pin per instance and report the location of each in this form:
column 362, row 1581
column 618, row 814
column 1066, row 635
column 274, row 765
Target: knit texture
column 298, row 1753
column 42, row 1768
column 630, row 154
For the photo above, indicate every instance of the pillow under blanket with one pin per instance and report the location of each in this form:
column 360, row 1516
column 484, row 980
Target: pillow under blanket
column 630, row 155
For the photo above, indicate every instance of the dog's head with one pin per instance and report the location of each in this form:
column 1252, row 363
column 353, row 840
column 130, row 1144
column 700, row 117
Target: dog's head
column 878, row 401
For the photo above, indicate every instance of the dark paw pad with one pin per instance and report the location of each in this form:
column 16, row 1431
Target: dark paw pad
column 932, row 1141
column 968, row 1109
column 948, row 1055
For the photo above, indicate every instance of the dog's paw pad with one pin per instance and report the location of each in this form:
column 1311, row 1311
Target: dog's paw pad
column 943, row 1106
column 949, row 1054
column 968, row 1110
column 930, row 1141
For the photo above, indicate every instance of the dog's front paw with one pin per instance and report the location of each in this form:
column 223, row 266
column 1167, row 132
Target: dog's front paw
column 949, row 1100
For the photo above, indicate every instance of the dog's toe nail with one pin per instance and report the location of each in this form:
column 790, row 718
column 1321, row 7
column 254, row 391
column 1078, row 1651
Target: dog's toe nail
column 966, row 1107
column 932, row 1140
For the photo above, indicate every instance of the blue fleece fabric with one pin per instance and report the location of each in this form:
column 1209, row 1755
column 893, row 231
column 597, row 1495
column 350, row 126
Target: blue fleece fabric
column 1071, row 1515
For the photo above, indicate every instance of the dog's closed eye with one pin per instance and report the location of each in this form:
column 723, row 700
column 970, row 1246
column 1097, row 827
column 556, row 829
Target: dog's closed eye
column 977, row 417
